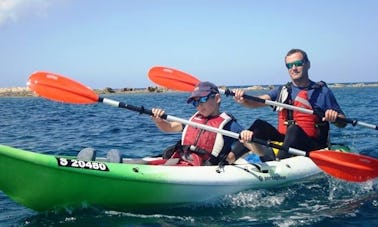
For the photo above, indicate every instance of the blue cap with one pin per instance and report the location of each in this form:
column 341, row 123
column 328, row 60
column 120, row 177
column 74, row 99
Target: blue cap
column 203, row 89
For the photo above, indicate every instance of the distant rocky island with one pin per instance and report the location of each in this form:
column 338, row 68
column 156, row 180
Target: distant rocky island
column 24, row 91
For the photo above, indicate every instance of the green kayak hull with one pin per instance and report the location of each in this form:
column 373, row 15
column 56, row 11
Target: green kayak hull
column 47, row 182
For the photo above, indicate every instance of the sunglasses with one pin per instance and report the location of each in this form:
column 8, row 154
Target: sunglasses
column 296, row 63
column 203, row 99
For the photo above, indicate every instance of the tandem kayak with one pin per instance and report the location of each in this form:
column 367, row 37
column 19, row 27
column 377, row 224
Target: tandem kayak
column 48, row 182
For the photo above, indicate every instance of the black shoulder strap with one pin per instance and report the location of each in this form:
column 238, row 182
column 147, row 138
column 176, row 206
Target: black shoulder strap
column 289, row 113
column 319, row 84
column 289, row 86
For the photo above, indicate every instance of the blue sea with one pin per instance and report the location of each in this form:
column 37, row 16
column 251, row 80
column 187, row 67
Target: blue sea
column 55, row 128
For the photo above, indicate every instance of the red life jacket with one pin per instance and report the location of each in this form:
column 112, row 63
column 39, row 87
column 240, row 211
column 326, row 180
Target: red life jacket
column 205, row 140
column 308, row 122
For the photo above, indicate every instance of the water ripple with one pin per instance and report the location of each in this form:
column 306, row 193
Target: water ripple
column 55, row 128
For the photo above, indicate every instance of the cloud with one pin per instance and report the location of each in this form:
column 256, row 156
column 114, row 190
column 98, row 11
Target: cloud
column 14, row 10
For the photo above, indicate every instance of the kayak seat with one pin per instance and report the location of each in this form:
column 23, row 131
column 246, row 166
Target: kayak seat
column 87, row 154
column 114, row 155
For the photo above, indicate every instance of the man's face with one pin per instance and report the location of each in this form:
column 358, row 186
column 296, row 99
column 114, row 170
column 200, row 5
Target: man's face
column 297, row 67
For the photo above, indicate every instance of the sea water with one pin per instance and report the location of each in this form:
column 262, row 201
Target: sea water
column 63, row 129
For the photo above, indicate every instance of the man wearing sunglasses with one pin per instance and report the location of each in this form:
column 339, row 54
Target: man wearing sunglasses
column 199, row 146
column 295, row 129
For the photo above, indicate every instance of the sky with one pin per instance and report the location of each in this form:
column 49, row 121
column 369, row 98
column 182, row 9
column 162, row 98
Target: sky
column 114, row 43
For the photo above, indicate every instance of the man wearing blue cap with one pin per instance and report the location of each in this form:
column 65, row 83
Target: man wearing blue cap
column 198, row 146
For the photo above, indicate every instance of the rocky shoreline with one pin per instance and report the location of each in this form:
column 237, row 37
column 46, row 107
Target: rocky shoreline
column 25, row 92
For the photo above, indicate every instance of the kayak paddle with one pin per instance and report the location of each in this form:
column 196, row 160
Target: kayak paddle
column 346, row 166
column 181, row 81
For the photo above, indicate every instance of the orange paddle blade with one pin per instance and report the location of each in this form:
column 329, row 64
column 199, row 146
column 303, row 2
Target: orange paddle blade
column 172, row 78
column 346, row 166
column 62, row 89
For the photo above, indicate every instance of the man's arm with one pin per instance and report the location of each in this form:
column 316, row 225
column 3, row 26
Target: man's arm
column 247, row 102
